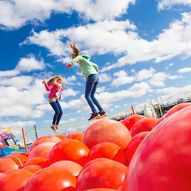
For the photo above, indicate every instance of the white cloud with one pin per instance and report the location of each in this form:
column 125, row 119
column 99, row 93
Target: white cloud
column 21, row 102
column 158, row 79
column 107, row 9
column 174, row 92
column 69, row 92
column 9, row 73
column 18, row 124
column 121, row 38
column 169, row 3
column 121, row 78
column 70, row 80
column 184, row 70
column 145, row 74
column 50, row 40
column 73, row 104
column 137, row 90
column 15, row 14
column 111, row 36
column 21, row 95
column 25, row 96
column 103, row 77
column 141, row 50
column 26, row 64
column 101, row 89
column 20, row 82
column 155, row 78
column 29, row 64
column 150, row 76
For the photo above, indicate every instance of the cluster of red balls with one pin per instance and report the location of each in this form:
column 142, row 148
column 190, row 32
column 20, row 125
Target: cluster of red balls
column 136, row 154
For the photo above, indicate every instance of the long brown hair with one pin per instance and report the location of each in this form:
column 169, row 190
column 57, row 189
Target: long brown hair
column 54, row 79
column 75, row 50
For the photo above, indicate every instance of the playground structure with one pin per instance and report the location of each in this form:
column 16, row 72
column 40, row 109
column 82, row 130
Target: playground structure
column 9, row 143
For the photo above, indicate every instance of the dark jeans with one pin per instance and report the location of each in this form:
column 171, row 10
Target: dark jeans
column 58, row 112
column 91, row 85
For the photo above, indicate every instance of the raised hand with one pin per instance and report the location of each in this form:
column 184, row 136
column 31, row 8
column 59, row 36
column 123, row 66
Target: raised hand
column 68, row 65
column 44, row 82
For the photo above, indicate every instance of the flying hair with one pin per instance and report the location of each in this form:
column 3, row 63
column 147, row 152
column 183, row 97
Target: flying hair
column 75, row 50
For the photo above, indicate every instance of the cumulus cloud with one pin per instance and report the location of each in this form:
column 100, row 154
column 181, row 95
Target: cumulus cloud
column 169, row 3
column 29, row 64
column 141, row 50
column 173, row 92
column 21, row 102
column 18, row 124
column 25, row 64
column 121, row 38
column 150, row 76
column 70, row 80
column 50, row 40
column 25, row 97
column 104, row 77
column 69, row 93
column 15, row 14
column 101, row 89
column 20, row 82
column 121, row 78
column 184, row 70
column 158, row 79
column 9, row 73
column 145, row 74
column 137, row 90
column 111, row 36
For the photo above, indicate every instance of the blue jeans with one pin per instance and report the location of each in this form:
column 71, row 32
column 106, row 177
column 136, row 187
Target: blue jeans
column 91, row 85
column 58, row 112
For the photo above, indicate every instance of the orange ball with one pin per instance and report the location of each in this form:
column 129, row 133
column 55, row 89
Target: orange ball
column 9, row 163
column 14, row 180
column 53, row 139
column 101, row 173
column 107, row 150
column 75, row 135
column 71, row 166
column 69, row 149
column 50, row 179
column 107, row 131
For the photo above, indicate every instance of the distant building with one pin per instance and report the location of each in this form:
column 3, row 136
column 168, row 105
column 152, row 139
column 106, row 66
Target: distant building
column 153, row 108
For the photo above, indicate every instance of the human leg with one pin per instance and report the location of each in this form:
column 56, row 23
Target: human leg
column 89, row 86
column 60, row 113
column 56, row 114
column 101, row 111
column 88, row 93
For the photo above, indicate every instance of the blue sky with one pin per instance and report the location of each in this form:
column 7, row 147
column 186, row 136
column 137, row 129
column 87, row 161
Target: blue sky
column 142, row 47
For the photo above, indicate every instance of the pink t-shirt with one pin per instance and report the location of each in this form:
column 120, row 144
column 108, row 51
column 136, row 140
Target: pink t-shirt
column 55, row 91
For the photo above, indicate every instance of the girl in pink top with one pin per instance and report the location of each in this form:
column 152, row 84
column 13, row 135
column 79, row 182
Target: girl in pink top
column 54, row 87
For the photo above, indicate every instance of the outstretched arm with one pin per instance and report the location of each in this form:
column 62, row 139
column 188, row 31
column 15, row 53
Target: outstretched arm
column 46, row 85
column 75, row 60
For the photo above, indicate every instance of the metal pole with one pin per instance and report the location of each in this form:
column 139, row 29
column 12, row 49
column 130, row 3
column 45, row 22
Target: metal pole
column 24, row 139
column 35, row 130
column 132, row 110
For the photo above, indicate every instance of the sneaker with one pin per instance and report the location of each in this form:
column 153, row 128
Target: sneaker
column 56, row 127
column 102, row 114
column 93, row 116
column 53, row 127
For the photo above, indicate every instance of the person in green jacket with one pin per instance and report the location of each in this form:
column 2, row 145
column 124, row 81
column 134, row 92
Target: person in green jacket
column 90, row 72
